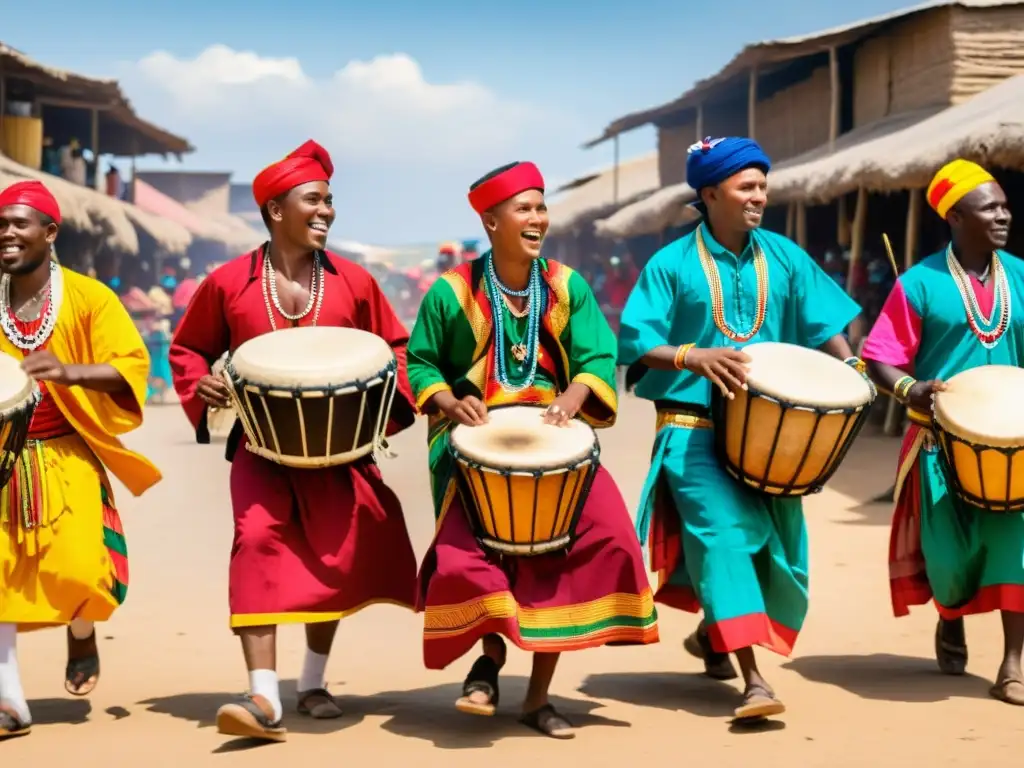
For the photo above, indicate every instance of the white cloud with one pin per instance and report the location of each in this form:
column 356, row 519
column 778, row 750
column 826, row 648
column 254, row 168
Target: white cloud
column 382, row 110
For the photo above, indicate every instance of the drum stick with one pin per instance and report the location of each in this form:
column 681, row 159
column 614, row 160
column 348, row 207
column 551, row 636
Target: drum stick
column 888, row 251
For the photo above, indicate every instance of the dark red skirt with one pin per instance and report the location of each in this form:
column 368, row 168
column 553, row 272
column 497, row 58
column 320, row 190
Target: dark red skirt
column 314, row 545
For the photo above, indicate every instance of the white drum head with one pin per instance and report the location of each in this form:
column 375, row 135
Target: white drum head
column 982, row 405
column 15, row 385
column 517, row 437
column 803, row 376
column 295, row 358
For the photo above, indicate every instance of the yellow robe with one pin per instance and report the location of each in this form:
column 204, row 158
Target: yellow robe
column 71, row 561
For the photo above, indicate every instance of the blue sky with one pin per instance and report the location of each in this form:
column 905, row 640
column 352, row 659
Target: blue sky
column 414, row 99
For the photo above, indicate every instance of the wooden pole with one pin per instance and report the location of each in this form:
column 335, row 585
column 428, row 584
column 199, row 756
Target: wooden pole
column 790, row 219
column 842, row 223
column 801, row 224
column 752, row 104
column 96, row 148
column 700, row 123
column 615, row 173
column 913, row 227
column 860, row 216
column 834, row 97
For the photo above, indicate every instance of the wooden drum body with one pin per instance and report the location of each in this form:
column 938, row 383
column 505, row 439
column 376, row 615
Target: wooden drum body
column 979, row 426
column 19, row 396
column 523, row 482
column 789, row 430
column 313, row 396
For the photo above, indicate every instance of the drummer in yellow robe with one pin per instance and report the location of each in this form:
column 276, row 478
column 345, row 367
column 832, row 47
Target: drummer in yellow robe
column 62, row 547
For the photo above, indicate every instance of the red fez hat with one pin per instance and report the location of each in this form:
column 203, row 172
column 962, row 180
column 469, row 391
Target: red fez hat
column 310, row 162
column 505, row 185
column 34, row 195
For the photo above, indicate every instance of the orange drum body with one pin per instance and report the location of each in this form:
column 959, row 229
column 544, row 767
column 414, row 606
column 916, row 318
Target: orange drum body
column 523, row 483
column 789, row 430
column 979, row 426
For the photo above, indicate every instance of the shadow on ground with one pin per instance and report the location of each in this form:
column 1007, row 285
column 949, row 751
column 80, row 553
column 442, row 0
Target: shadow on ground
column 888, row 677
column 424, row 713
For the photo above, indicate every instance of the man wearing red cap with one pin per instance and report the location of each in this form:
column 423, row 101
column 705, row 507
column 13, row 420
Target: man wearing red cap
column 62, row 547
column 513, row 328
column 309, row 544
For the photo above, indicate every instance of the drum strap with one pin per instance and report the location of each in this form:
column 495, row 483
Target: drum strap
column 683, row 418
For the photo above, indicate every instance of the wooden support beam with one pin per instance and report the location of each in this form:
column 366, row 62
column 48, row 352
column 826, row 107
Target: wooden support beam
column 801, row 224
column 834, row 97
column 700, row 123
column 913, row 227
column 615, row 174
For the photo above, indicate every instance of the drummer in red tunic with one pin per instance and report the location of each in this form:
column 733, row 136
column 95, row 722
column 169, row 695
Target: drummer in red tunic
column 308, row 543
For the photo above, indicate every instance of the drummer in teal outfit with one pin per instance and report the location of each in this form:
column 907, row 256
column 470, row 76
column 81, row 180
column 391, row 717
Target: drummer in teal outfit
column 948, row 314
column 717, row 545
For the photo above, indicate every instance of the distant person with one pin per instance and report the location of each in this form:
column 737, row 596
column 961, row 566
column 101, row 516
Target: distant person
column 114, row 183
column 51, row 157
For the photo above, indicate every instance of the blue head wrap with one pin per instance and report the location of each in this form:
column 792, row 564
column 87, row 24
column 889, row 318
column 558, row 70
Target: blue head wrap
column 712, row 161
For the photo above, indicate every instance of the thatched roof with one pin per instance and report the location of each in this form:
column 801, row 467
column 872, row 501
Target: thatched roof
column 899, row 152
column 636, row 177
column 112, row 221
column 121, row 131
column 229, row 230
column 772, row 54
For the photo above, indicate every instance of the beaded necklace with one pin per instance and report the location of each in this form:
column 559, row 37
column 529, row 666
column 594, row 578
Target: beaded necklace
column 525, row 351
column 707, row 263
column 982, row 327
column 29, row 342
column 270, row 297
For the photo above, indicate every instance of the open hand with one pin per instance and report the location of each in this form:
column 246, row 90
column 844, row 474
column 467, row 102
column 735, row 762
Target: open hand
column 470, row 411
column 724, row 367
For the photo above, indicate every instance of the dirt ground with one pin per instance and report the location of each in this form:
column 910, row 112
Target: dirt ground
column 862, row 687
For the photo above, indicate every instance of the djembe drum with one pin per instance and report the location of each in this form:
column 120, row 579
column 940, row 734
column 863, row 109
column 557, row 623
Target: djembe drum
column 789, row 430
column 523, row 483
column 19, row 396
column 313, row 396
column 979, row 426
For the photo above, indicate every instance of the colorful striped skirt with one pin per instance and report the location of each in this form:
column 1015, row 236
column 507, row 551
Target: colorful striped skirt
column 62, row 547
column 596, row 593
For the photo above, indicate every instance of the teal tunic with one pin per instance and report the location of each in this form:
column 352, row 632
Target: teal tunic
column 973, row 561
column 743, row 556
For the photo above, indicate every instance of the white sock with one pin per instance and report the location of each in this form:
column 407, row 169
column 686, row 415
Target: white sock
column 81, row 629
column 11, row 692
column 263, row 682
column 313, row 670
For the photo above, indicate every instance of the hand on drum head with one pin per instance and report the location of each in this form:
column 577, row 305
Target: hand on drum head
column 922, row 394
column 213, row 391
column 724, row 367
column 469, row 410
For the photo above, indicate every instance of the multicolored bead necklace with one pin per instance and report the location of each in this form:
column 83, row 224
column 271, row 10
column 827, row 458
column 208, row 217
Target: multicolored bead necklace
column 531, row 339
column 29, row 342
column 710, row 268
column 982, row 327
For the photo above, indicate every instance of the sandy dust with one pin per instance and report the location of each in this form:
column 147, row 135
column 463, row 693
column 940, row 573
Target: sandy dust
column 862, row 687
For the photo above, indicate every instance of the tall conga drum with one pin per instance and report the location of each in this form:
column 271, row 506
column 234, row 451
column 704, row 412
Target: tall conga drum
column 786, row 434
column 313, row 396
column 979, row 426
column 523, row 483
column 19, row 396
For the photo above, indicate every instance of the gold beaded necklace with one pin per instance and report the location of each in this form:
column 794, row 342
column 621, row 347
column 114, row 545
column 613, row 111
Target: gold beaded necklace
column 710, row 268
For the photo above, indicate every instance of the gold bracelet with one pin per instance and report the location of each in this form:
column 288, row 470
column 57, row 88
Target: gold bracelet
column 901, row 389
column 679, row 361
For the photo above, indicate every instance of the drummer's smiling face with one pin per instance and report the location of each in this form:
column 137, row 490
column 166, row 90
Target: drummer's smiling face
column 981, row 220
column 305, row 215
column 26, row 237
column 737, row 204
column 517, row 226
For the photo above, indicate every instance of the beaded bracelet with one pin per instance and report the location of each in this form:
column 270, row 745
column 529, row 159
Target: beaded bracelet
column 901, row 389
column 859, row 365
column 679, row 361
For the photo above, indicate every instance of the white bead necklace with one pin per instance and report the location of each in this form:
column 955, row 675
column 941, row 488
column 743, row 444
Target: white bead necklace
column 271, row 299
column 29, row 342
